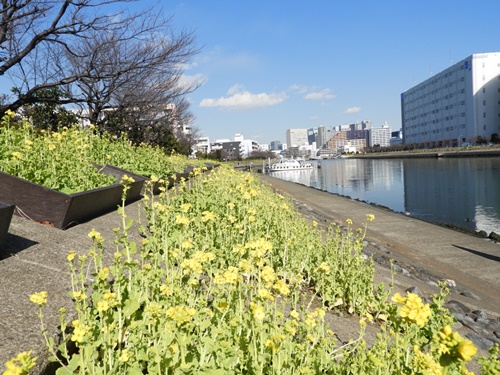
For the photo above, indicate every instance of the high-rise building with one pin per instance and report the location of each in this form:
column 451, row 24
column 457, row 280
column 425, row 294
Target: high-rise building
column 296, row 137
column 321, row 138
column 458, row 105
column 380, row 136
column 276, row 145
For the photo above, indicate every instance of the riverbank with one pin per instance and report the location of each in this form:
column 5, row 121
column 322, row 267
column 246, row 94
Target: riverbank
column 441, row 153
column 422, row 255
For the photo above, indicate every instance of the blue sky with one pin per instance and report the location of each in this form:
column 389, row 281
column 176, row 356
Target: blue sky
column 272, row 65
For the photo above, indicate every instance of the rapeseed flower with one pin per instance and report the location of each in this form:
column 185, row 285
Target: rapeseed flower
column 265, row 294
column 39, row 298
column 454, row 347
column 323, row 268
column 413, row 309
column 181, row 220
column 258, row 311
column 207, row 216
column 185, row 207
column 181, row 314
column 281, row 287
column 79, row 332
column 20, row 364
column 423, row 363
column 95, row 236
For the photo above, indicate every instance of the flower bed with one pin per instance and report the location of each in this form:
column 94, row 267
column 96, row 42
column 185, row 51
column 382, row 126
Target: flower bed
column 62, row 210
column 6, row 211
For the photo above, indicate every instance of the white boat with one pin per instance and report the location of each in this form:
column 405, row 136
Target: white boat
column 289, row 165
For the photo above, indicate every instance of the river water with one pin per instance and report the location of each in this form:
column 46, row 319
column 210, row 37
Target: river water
column 460, row 191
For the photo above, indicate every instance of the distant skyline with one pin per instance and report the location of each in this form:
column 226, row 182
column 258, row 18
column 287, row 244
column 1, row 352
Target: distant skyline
column 269, row 66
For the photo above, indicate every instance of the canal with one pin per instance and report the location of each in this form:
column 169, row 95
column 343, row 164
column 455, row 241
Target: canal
column 460, row 191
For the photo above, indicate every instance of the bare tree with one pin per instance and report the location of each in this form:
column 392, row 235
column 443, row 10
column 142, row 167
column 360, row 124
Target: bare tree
column 32, row 31
column 92, row 55
column 131, row 81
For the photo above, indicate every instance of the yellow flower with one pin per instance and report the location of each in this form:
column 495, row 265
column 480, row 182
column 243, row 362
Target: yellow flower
column 181, row 220
column 39, row 298
column 187, row 244
column 268, row 275
column 251, row 218
column 95, row 236
column 79, row 295
column 466, row 350
column 265, row 294
column 102, row 306
column 103, row 274
column 71, row 255
column 10, row 113
column 398, row 299
column 186, row 206
column 349, row 222
column 126, row 180
column 323, row 268
column 245, row 266
column 370, row 217
column 281, row 287
column 166, row 290
column 257, row 311
column 17, row 155
column 207, row 216
column 79, row 332
column 181, row 314
column 20, row 364
column 414, row 310
column 425, row 364
column 125, row 355
column 191, row 265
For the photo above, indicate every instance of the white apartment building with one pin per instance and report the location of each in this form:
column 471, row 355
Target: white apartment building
column 455, row 106
column 380, row 136
column 296, row 137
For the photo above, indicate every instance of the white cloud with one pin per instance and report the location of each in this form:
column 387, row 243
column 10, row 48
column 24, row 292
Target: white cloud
column 319, row 95
column 239, row 99
column 192, row 80
column 353, row 110
column 301, row 89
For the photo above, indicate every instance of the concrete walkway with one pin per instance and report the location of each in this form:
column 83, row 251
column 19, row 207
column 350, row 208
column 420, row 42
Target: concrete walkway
column 34, row 259
column 472, row 262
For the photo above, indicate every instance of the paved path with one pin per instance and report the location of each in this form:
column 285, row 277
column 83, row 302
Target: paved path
column 472, row 262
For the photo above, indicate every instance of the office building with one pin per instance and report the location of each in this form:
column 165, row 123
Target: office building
column 296, row 137
column 459, row 105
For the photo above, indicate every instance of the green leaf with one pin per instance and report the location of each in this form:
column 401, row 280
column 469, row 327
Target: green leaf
column 131, row 306
column 128, row 224
column 63, row 371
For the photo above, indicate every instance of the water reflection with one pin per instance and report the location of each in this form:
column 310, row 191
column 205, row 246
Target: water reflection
column 464, row 192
